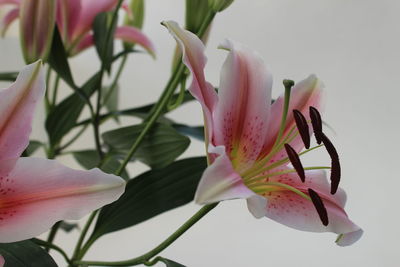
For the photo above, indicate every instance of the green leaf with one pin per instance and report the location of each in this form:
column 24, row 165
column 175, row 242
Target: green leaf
column 159, row 148
column 8, row 76
column 58, row 59
column 90, row 159
column 192, row 131
column 64, row 116
column 101, row 27
column 25, row 254
column 150, row 194
column 32, row 147
column 68, row 227
column 170, row 263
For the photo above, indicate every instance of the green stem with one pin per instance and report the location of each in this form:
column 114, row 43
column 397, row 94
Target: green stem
column 156, row 112
column 96, row 118
column 164, row 99
column 145, row 258
column 83, row 234
column 50, row 245
column 47, row 104
column 55, row 91
column 73, row 139
column 116, row 78
column 52, row 234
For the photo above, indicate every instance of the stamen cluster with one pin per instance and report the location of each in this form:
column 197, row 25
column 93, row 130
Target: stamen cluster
column 321, row 138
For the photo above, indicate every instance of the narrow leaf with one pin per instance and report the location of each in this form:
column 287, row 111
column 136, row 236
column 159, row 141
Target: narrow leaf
column 32, row 147
column 170, row 263
column 8, row 76
column 58, row 59
column 65, row 115
column 192, row 131
column 104, row 47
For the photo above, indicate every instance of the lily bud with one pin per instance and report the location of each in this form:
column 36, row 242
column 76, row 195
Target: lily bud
column 36, row 28
column 219, row 5
column 135, row 14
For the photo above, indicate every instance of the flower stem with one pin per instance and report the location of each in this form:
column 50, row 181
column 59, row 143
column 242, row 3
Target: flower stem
column 50, row 245
column 83, row 234
column 52, row 234
column 147, row 256
column 116, row 78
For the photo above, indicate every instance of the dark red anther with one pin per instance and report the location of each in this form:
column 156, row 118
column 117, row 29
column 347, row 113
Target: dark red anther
column 302, row 126
column 316, row 122
column 319, row 206
column 295, row 160
column 335, row 164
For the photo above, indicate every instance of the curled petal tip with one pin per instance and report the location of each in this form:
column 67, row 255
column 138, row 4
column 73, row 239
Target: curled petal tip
column 349, row 239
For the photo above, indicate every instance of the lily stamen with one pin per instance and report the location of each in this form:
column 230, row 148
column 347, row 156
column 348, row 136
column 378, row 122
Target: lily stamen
column 273, row 186
column 263, row 177
column 319, row 206
column 316, row 122
column 302, row 126
column 335, row 164
column 295, row 160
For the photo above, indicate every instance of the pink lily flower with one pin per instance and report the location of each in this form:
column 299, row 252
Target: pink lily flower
column 35, row 193
column 74, row 20
column 248, row 146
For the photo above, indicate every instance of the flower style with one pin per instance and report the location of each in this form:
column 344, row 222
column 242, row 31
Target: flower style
column 250, row 143
column 74, row 20
column 35, row 193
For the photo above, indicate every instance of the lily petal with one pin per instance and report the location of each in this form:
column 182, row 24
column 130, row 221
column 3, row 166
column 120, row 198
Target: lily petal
column 39, row 192
column 68, row 14
column 193, row 57
column 304, row 94
column 17, row 105
column 292, row 210
column 11, row 2
column 348, row 239
column 220, row 181
column 256, row 205
column 85, row 42
column 11, row 15
column 89, row 10
column 133, row 35
column 241, row 117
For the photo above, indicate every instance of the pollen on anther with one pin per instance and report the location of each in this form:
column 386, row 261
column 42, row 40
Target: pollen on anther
column 316, row 122
column 302, row 126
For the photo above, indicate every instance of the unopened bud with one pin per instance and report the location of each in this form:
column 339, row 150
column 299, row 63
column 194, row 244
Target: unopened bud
column 37, row 21
column 219, row 5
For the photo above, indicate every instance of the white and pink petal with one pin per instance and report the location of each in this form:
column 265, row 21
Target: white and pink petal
column 220, row 181
column 193, row 57
column 17, row 105
column 6, row 21
column 242, row 114
column 133, row 35
column 39, row 192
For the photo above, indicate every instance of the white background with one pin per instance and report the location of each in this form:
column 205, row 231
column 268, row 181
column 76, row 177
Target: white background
column 353, row 46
